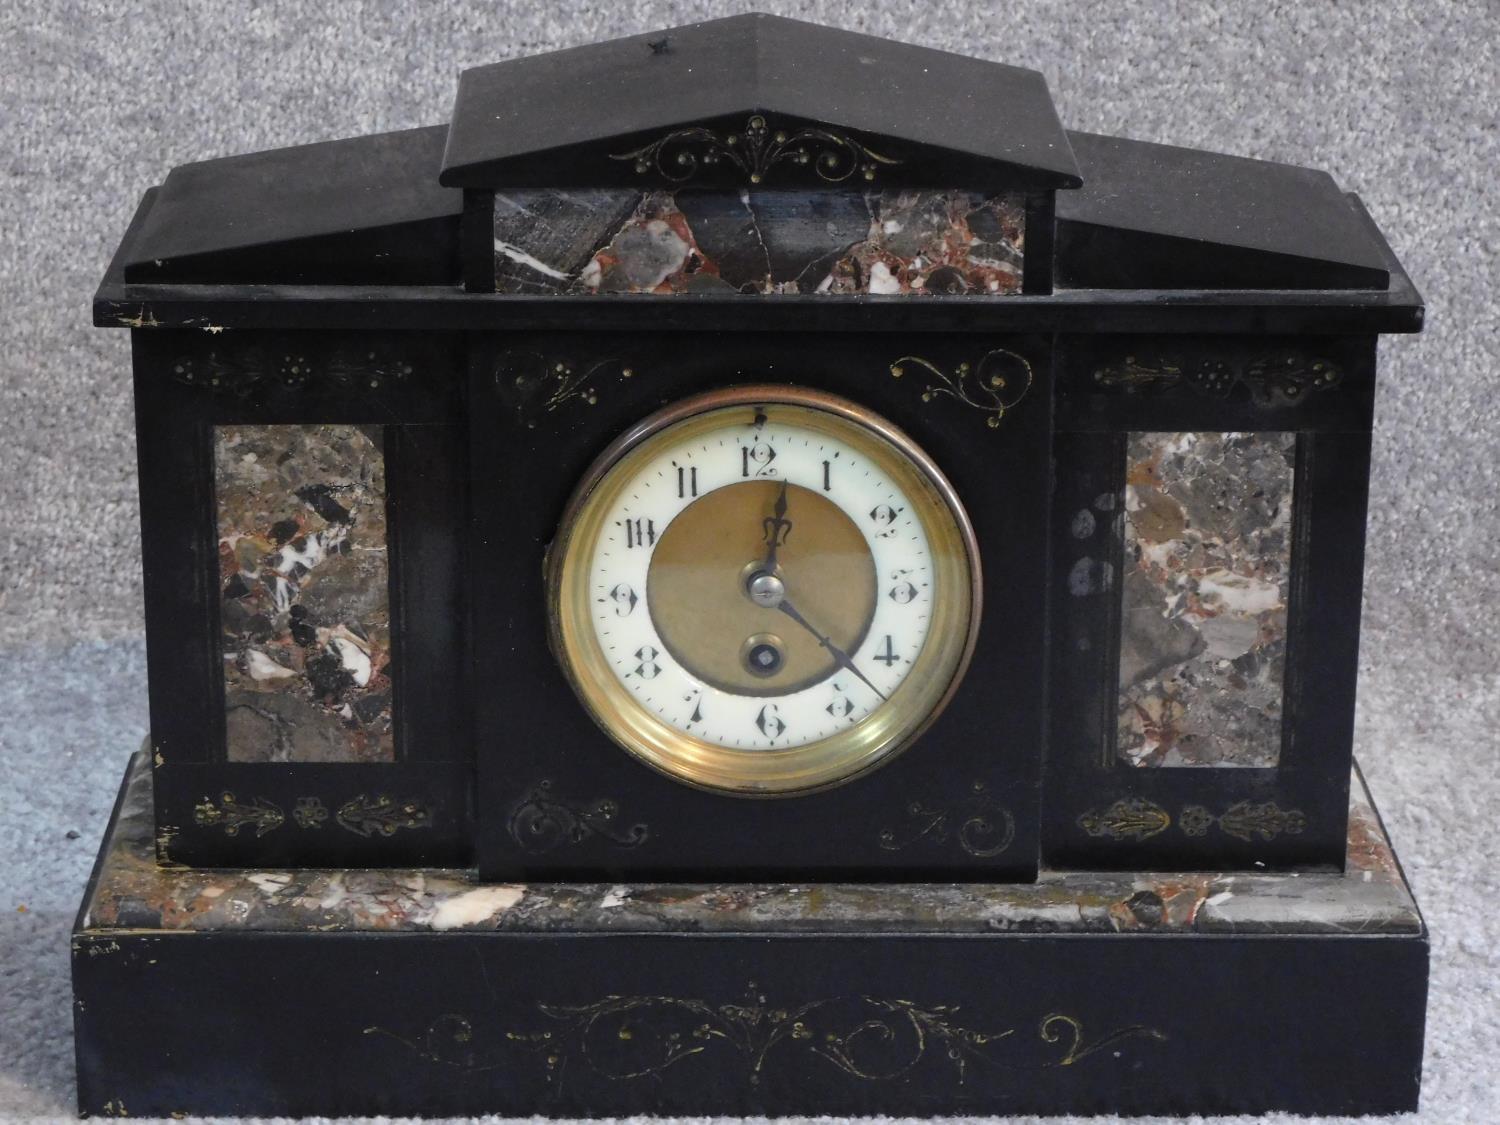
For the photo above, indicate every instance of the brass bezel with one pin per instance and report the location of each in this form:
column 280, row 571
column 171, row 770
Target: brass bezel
column 814, row 766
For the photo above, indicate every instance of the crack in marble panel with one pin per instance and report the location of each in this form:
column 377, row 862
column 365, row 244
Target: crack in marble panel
column 1207, row 563
column 304, row 593
column 758, row 242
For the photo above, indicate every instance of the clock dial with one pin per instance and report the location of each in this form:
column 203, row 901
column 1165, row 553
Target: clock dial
column 764, row 591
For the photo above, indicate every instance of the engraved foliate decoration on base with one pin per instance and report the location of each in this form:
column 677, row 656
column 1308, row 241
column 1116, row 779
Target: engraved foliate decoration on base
column 863, row 1038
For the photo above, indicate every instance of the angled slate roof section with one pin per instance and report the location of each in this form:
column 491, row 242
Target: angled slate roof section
column 1153, row 216
column 365, row 210
column 555, row 120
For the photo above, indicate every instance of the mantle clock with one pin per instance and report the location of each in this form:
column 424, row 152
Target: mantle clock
column 775, row 579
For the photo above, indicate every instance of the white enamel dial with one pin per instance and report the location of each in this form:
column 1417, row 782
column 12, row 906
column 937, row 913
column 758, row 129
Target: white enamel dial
column 731, row 456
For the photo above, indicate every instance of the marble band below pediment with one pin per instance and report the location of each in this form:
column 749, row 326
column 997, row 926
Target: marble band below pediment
column 685, row 241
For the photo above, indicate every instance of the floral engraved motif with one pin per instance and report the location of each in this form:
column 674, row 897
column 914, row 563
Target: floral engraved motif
column 1131, row 818
column 543, row 822
column 539, row 385
column 309, row 812
column 1244, row 821
column 996, row 384
column 1273, row 378
column 868, row 1038
column 382, row 815
column 985, row 828
column 755, row 152
column 1290, row 375
column 232, row 814
column 239, row 373
column 1196, row 820
column 1133, row 374
column 1247, row 820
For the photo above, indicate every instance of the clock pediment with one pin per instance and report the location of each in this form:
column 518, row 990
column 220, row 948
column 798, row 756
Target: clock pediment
column 755, row 100
column 758, row 156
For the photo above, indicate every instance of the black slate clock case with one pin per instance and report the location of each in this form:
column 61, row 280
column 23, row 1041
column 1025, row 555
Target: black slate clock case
column 329, row 306
column 481, row 308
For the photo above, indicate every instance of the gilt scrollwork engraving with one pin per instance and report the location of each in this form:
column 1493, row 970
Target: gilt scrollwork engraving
column 241, row 372
column 980, row 825
column 544, row 821
column 537, row 385
column 995, row 384
column 1136, row 819
column 1250, row 820
column 1272, row 378
column 756, row 151
column 231, row 814
column 1130, row 818
column 865, row 1038
column 382, row 815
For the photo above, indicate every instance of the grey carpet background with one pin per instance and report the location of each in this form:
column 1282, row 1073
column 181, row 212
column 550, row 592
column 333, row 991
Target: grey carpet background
column 98, row 99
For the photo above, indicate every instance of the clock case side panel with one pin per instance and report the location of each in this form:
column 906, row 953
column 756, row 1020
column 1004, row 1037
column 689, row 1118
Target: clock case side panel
column 414, row 809
column 1101, row 813
column 558, row 799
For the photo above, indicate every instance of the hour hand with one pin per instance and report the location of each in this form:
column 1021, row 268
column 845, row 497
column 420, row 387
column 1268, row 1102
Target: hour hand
column 837, row 653
column 778, row 527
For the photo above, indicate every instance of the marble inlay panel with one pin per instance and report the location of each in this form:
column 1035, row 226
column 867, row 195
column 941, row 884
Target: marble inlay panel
column 304, row 593
column 1207, row 562
column 758, row 242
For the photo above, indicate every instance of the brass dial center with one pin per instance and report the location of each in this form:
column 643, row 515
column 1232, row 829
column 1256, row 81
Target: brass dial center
column 708, row 589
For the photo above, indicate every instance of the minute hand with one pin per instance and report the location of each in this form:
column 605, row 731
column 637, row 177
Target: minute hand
column 837, row 653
